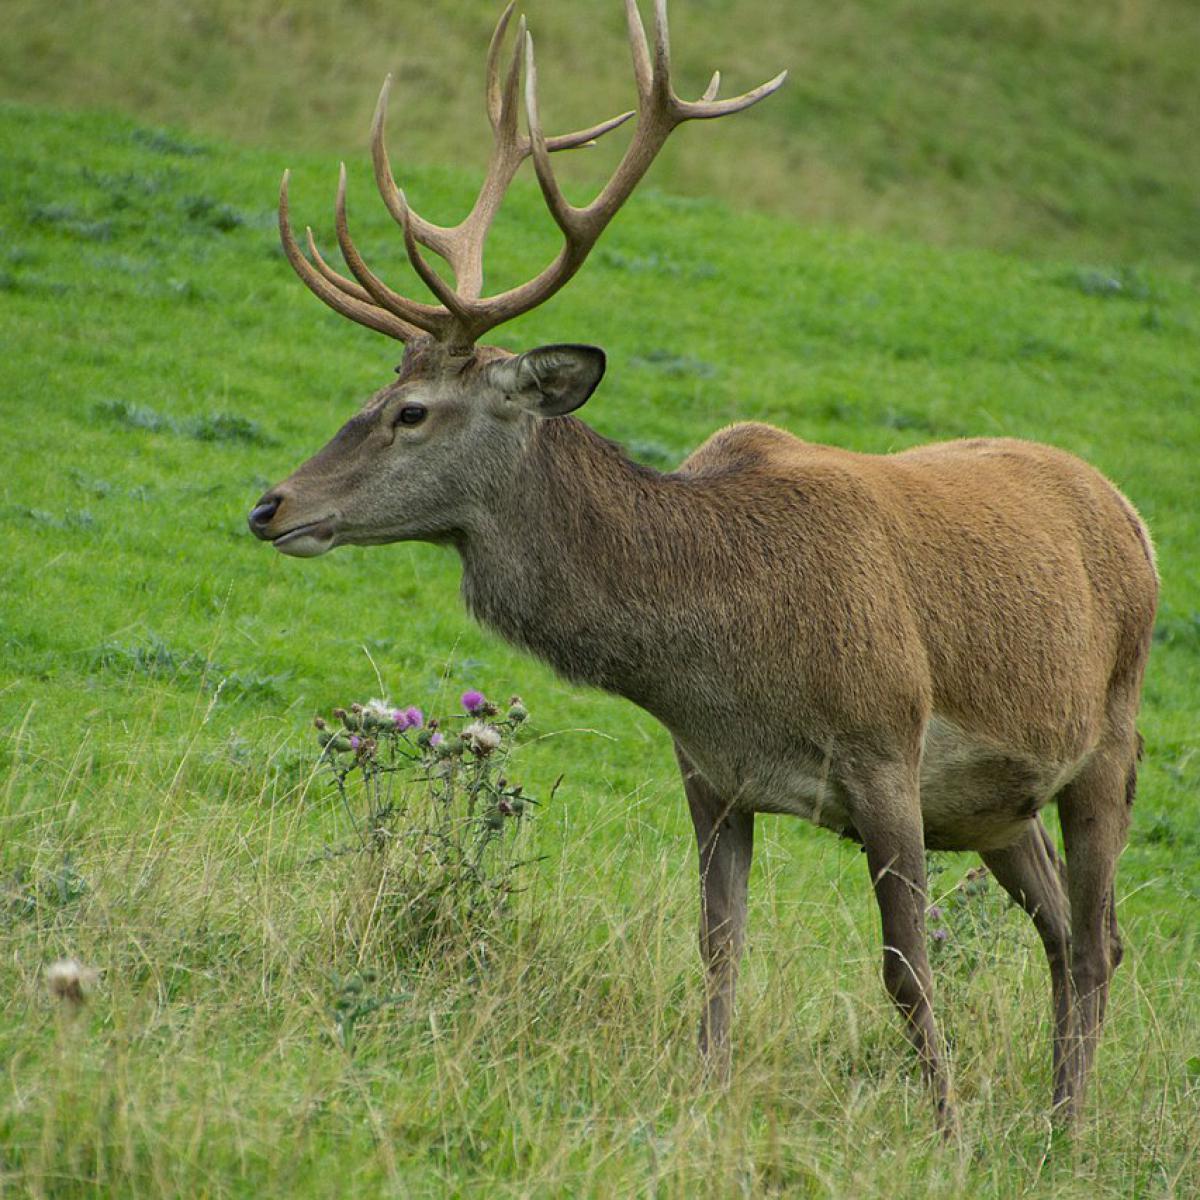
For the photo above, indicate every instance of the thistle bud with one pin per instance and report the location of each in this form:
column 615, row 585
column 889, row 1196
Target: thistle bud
column 318, row 722
column 324, row 737
column 517, row 712
column 341, row 742
column 494, row 819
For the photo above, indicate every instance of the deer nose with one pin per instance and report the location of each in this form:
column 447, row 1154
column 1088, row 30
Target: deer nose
column 261, row 514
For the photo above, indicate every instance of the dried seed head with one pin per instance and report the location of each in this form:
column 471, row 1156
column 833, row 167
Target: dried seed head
column 481, row 737
column 69, row 980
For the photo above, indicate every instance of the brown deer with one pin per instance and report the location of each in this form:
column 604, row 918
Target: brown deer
column 920, row 649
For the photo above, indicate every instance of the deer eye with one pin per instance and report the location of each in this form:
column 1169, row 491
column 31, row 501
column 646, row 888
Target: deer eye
column 411, row 414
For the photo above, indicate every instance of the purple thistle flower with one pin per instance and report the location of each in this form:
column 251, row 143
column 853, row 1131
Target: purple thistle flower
column 355, row 742
column 436, row 739
column 473, row 700
column 935, row 912
column 414, row 716
column 941, row 935
column 400, row 719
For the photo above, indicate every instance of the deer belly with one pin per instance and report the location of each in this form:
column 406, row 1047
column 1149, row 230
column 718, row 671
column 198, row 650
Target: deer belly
column 977, row 796
column 794, row 788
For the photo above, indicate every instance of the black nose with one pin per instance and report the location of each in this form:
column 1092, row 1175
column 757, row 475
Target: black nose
column 262, row 512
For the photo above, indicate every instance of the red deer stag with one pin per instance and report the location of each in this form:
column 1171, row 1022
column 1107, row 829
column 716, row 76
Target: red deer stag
column 914, row 650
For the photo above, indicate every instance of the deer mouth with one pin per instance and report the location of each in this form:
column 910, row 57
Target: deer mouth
column 308, row 540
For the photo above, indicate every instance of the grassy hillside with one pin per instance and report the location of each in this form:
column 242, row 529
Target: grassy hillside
column 1054, row 127
column 160, row 669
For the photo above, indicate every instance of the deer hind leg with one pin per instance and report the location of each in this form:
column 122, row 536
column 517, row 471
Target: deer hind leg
column 725, row 839
column 887, row 816
column 1033, row 875
column 1094, row 809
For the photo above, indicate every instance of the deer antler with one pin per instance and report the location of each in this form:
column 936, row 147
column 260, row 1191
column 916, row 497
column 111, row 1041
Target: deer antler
column 463, row 314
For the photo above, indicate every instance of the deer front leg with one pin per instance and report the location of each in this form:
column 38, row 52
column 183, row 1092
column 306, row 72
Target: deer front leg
column 887, row 816
column 725, row 839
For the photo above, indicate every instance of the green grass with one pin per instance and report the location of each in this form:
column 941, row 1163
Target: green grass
column 160, row 669
column 1053, row 127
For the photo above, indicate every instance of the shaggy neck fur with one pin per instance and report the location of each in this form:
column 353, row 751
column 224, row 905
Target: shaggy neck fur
column 590, row 561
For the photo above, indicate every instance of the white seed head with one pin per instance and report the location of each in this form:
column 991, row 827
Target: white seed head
column 68, row 979
column 481, row 737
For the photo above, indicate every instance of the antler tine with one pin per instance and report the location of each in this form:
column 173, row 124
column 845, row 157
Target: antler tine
column 424, row 316
column 707, row 107
column 561, row 210
column 507, row 137
column 340, row 301
column 642, row 71
column 436, row 284
column 339, row 281
column 438, row 238
column 493, row 65
column 562, row 141
column 662, row 51
column 587, row 137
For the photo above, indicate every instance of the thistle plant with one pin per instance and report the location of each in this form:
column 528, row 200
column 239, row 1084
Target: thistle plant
column 968, row 926
column 436, row 827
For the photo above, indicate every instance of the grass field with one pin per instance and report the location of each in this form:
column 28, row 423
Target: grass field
column 160, row 816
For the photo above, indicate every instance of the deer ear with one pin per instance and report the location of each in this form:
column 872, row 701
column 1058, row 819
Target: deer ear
column 550, row 381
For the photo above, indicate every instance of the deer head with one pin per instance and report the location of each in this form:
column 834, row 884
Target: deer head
column 426, row 449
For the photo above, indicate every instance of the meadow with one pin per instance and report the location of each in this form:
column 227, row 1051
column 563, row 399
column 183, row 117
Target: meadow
column 164, row 819
column 1047, row 127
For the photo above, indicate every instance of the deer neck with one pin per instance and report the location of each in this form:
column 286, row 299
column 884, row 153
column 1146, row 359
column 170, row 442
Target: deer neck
column 582, row 560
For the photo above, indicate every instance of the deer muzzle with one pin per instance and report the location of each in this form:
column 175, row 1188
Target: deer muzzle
column 269, row 521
